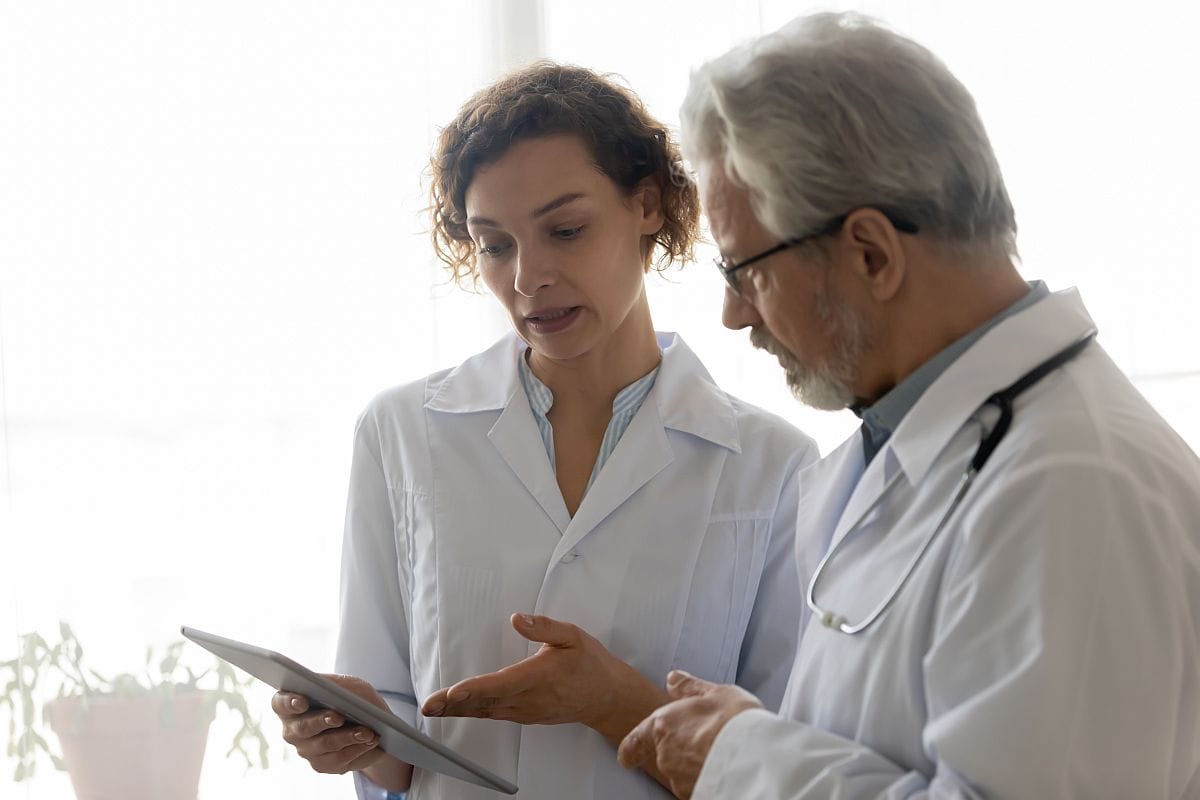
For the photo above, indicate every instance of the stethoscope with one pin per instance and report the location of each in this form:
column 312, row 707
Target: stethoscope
column 1003, row 400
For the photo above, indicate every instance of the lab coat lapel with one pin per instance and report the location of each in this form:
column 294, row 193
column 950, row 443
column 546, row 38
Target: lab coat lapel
column 516, row 436
column 489, row 382
column 1000, row 357
column 642, row 453
column 825, row 490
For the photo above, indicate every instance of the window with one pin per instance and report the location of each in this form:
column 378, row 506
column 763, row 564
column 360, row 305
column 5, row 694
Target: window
column 212, row 254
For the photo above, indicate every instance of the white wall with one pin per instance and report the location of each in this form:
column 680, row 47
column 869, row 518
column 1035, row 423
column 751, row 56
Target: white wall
column 212, row 255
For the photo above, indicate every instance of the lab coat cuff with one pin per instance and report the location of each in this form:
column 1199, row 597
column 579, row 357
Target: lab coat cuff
column 726, row 748
column 402, row 706
column 366, row 790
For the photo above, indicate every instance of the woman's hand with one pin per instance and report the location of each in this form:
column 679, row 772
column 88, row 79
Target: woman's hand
column 322, row 737
column 571, row 678
column 325, row 740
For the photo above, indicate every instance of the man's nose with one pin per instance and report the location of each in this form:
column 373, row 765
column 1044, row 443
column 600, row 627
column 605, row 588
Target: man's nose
column 737, row 312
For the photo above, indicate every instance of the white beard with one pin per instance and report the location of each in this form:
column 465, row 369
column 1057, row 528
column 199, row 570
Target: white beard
column 826, row 386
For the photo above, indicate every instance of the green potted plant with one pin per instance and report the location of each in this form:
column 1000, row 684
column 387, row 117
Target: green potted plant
column 131, row 736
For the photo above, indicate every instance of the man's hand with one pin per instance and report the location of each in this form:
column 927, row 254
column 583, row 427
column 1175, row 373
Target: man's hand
column 678, row 736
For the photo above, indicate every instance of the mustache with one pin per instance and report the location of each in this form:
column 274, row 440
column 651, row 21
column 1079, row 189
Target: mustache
column 765, row 341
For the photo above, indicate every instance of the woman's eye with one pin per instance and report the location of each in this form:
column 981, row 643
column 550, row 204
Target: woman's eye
column 568, row 233
column 491, row 250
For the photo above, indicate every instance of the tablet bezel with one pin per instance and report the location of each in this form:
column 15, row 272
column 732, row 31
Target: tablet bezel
column 281, row 672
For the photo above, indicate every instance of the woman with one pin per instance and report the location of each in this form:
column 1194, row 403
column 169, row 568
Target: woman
column 584, row 472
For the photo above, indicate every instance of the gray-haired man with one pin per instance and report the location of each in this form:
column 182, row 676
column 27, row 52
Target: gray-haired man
column 1003, row 566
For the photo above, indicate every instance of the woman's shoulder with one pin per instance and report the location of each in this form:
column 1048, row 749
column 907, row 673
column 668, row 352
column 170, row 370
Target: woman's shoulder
column 477, row 382
column 759, row 428
column 403, row 398
column 760, row 433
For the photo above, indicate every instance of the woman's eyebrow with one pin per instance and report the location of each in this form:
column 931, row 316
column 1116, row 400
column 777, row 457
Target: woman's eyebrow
column 558, row 202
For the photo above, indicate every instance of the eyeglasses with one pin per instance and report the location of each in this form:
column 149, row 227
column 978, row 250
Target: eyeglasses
column 730, row 269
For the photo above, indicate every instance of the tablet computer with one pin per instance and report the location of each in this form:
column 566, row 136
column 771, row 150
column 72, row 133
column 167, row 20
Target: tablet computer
column 396, row 736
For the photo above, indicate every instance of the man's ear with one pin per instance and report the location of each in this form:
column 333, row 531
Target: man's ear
column 875, row 253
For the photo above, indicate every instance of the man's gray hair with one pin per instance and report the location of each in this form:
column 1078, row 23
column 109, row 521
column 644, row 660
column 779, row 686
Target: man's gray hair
column 834, row 112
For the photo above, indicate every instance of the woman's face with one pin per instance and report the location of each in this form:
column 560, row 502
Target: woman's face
column 560, row 245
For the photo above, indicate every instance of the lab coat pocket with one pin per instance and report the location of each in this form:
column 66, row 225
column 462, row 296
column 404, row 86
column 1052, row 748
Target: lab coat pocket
column 721, row 597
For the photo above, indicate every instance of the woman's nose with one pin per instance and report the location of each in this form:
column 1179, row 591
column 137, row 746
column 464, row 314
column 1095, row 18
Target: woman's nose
column 533, row 273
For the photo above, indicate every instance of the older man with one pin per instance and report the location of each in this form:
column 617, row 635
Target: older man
column 1003, row 568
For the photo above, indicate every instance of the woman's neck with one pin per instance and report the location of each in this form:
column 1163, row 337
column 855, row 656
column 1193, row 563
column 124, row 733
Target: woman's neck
column 592, row 380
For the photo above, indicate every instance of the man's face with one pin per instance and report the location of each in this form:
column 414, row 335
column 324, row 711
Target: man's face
column 786, row 300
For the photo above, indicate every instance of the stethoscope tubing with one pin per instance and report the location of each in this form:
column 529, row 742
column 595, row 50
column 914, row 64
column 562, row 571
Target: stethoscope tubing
column 1002, row 400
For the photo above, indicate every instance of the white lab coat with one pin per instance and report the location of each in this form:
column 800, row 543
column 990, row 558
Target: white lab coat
column 680, row 555
column 1048, row 643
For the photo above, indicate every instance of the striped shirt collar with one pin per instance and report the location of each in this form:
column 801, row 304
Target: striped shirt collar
column 625, row 407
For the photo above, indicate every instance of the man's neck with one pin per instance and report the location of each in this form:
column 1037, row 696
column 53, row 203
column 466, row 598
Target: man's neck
column 946, row 309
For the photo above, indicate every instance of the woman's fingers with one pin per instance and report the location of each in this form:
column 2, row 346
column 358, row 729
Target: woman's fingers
column 345, row 738
column 332, row 749
column 288, row 704
column 323, row 737
column 301, row 727
column 546, row 630
column 342, row 759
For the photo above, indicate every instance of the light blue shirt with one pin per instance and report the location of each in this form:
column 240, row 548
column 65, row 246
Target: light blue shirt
column 625, row 406
column 880, row 419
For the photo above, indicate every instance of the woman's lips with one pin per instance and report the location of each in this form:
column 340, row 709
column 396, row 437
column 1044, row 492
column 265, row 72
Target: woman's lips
column 552, row 320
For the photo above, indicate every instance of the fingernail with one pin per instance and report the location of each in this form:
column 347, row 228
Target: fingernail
column 457, row 695
column 362, row 736
column 677, row 675
column 526, row 620
column 435, row 709
column 295, row 703
column 329, row 719
column 625, row 754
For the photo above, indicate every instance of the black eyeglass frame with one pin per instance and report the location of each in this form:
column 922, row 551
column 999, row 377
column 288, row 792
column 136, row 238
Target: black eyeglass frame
column 730, row 270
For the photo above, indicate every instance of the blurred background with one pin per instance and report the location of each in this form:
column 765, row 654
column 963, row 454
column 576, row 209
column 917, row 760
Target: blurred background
column 213, row 253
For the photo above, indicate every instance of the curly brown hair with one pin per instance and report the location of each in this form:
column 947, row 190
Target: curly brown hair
column 627, row 144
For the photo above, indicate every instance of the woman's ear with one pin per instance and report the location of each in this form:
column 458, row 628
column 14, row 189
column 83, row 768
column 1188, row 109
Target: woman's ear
column 649, row 202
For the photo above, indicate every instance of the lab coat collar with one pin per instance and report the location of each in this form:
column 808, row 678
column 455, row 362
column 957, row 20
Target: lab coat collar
column 484, row 382
column 687, row 398
column 833, row 481
column 1000, row 358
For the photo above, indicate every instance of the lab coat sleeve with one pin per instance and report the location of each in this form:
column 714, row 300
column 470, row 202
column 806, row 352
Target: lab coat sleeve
column 373, row 631
column 769, row 645
column 1062, row 645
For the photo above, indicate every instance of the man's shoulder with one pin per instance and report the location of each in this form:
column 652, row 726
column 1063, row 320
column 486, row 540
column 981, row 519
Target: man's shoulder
column 1090, row 426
